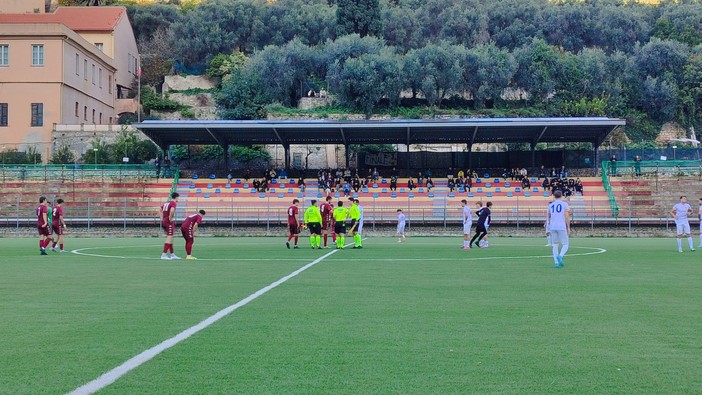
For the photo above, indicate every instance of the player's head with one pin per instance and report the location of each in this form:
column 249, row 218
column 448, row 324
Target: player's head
column 464, row 202
column 683, row 199
column 42, row 199
column 357, row 201
column 488, row 204
column 296, row 202
column 59, row 201
column 557, row 194
column 479, row 203
column 202, row 212
column 175, row 195
column 329, row 198
column 313, row 202
column 340, row 204
column 399, row 210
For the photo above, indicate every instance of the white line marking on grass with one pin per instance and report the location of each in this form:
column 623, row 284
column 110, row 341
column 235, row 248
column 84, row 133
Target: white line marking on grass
column 113, row 375
column 597, row 251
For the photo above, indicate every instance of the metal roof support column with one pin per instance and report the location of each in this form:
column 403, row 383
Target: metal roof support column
column 533, row 155
column 470, row 148
column 408, row 152
column 286, row 154
column 347, row 155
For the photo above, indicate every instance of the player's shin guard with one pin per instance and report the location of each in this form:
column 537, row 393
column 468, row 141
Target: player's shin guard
column 296, row 239
column 165, row 248
column 690, row 243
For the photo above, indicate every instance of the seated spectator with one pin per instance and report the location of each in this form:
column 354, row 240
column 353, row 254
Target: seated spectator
column 420, row 179
column 301, row 184
column 347, row 189
column 283, row 174
column 256, row 184
column 451, row 184
column 579, row 186
column 564, row 172
column 393, row 183
column 272, row 174
column 526, row 184
column 461, row 174
column 469, row 183
column 430, row 183
column 264, row 185
column 410, row 184
column 376, row 175
column 322, row 93
column 553, row 173
column 505, row 174
column 546, row 185
column 542, row 172
column 356, row 184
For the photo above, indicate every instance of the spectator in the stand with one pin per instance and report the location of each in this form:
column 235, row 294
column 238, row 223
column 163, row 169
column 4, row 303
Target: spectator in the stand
column 579, row 186
column 449, row 173
column 394, row 173
column 376, row 175
column 301, row 184
column 637, row 166
column 430, row 183
column 571, row 183
column 393, row 183
column 523, row 172
column 272, row 175
column 347, row 175
column 410, row 184
column 526, row 184
column 451, row 184
column 542, row 172
column 356, row 183
column 420, row 179
column 461, row 174
column 505, row 173
column 546, row 185
column 347, row 189
column 229, row 176
column 257, row 184
column 613, row 165
column 369, row 177
column 469, row 183
column 264, row 185
column 553, row 173
column 564, row 173
column 283, row 174
column 322, row 92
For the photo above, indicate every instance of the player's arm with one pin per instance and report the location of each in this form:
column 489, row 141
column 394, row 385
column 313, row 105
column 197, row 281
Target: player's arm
column 195, row 226
column 171, row 214
column 673, row 212
column 567, row 220
column 61, row 221
column 45, row 218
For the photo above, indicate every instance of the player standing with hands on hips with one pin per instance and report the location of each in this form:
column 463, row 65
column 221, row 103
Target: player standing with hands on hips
column 680, row 212
column 559, row 222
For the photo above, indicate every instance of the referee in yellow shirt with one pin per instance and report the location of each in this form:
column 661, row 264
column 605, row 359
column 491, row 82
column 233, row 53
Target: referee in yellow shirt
column 313, row 219
column 355, row 213
column 340, row 214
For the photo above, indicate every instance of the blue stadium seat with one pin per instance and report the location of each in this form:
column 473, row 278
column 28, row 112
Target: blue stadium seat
column 431, row 194
column 393, row 195
column 227, row 185
column 375, row 185
column 212, row 176
column 246, row 186
column 274, row 181
column 253, row 190
column 509, row 194
column 364, row 190
column 281, row 195
column 470, row 194
column 272, row 190
column 533, row 180
column 384, row 190
column 486, row 175
column 488, row 185
column 207, row 196
column 217, row 190
column 507, row 185
column 546, row 194
column 319, row 195
column 375, row 195
column 209, row 186
column 452, row 195
column 292, row 182
column 238, row 181
column 192, row 186
column 411, row 195
column 535, row 189
column 517, row 189
column 527, row 194
column 336, row 195
column 290, row 190
column 262, row 195
column 420, row 190
column 497, row 180
column 461, row 190
column 498, row 189
column 403, row 190
column 383, row 181
column 198, row 190
column 480, row 190
column 195, row 177
column 489, row 194
column 355, row 195
column 299, row 195
column 236, row 190
column 478, row 181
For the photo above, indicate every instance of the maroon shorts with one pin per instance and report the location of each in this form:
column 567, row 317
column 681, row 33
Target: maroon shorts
column 294, row 229
column 44, row 230
column 57, row 229
column 187, row 235
column 168, row 227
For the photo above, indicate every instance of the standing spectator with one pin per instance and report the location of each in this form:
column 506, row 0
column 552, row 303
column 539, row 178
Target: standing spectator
column 188, row 229
column 637, row 166
column 613, row 165
column 376, row 175
column 301, row 184
column 564, row 173
column 542, row 172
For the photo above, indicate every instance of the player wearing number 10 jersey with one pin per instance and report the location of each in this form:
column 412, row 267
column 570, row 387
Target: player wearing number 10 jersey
column 559, row 225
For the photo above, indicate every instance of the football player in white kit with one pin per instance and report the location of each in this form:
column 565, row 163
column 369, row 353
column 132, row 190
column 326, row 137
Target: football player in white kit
column 400, row 226
column 680, row 212
column 467, row 224
column 559, row 225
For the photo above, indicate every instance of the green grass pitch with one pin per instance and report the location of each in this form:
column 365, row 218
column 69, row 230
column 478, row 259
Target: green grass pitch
column 624, row 316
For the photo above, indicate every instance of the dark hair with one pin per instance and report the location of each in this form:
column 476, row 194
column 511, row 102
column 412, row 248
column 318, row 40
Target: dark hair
column 557, row 194
column 488, row 204
column 399, row 210
column 59, row 201
column 464, row 201
column 42, row 199
column 202, row 212
column 683, row 196
column 174, row 195
column 295, row 201
column 341, row 203
column 329, row 198
column 479, row 203
column 313, row 202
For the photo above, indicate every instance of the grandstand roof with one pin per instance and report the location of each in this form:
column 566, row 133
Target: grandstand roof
column 425, row 131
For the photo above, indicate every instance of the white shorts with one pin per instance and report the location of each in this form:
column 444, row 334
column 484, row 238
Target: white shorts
column 400, row 228
column 466, row 228
column 559, row 237
column 683, row 228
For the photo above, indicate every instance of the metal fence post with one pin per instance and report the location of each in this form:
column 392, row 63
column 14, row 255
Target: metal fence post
column 18, row 211
column 125, row 214
column 89, row 218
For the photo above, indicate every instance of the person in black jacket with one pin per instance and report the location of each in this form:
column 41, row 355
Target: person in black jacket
column 483, row 218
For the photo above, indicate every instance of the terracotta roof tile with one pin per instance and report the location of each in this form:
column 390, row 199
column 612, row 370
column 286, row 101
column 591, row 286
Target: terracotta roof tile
column 75, row 18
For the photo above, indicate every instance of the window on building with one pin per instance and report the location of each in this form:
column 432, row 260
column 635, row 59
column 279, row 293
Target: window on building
column 100, row 78
column 77, row 109
column 93, row 74
column 37, row 55
column 3, row 114
column 101, row 118
column 37, row 114
column 129, row 63
column 85, row 69
column 77, row 64
column 93, row 115
column 110, row 120
column 109, row 84
column 100, row 46
column 85, row 113
column 4, row 55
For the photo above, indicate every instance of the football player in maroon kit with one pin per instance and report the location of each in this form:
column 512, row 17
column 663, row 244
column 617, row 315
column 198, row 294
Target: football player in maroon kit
column 327, row 212
column 188, row 229
column 168, row 224
column 43, row 225
column 58, row 225
column 293, row 224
